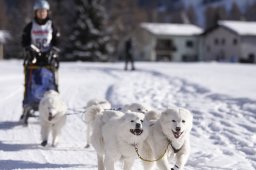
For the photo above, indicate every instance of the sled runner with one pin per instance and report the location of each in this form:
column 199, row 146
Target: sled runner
column 40, row 75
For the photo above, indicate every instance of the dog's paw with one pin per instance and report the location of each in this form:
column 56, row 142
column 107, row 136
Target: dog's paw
column 44, row 143
column 175, row 168
column 54, row 145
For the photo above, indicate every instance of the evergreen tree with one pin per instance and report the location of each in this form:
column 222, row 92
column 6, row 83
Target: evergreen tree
column 250, row 12
column 90, row 39
column 210, row 17
column 213, row 15
column 235, row 13
column 62, row 17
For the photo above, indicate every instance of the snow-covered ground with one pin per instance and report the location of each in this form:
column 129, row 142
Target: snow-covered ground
column 221, row 96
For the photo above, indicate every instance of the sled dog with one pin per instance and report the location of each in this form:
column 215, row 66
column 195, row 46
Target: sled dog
column 90, row 114
column 150, row 115
column 136, row 107
column 115, row 134
column 52, row 116
column 169, row 134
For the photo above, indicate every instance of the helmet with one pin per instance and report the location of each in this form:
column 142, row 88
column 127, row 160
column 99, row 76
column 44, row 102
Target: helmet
column 41, row 4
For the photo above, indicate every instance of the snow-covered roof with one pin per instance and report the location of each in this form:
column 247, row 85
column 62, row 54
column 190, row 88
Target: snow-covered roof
column 4, row 35
column 172, row 29
column 240, row 27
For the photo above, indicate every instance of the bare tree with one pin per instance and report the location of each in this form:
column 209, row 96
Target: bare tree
column 190, row 12
column 3, row 15
column 124, row 17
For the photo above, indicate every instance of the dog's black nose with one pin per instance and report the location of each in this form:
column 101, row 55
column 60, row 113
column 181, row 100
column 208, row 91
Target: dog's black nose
column 177, row 129
column 138, row 125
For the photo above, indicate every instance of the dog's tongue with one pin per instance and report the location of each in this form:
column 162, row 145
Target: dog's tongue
column 176, row 134
column 136, row 131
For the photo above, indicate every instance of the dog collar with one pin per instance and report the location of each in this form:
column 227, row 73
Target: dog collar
column 173, row 148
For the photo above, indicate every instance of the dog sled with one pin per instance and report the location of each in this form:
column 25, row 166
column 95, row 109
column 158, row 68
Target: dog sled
column 40, row 75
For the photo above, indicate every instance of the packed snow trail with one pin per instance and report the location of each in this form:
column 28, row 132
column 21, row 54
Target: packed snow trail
column 219, row 120
column 223, row 134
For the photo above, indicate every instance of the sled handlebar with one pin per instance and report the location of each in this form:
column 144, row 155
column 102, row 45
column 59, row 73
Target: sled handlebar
column 34, row 48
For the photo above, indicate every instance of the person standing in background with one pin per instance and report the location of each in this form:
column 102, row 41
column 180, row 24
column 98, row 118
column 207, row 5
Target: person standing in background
column 128, row 55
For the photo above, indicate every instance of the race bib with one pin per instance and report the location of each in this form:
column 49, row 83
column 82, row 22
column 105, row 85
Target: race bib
column 41, row 35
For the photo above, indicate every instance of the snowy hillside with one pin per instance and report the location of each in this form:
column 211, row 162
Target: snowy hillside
column 221, row 97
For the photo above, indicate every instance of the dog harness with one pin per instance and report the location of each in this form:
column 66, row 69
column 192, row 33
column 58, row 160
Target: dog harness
column 147, row 160
column 174, row 149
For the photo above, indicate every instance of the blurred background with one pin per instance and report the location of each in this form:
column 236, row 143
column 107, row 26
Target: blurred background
column 96, row 30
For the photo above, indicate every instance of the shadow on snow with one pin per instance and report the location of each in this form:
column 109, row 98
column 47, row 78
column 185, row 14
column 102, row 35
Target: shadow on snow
column 18, row 164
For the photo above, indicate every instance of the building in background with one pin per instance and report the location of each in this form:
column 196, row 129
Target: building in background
column 230, row 41
column 166, row 42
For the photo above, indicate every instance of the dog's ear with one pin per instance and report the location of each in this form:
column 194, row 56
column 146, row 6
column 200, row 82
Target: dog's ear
column 163, row 115
column 123, row 118
column 152, row 115
column 164, row 112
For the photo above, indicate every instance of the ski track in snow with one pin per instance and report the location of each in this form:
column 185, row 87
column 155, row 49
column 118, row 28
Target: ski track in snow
column 214, row 139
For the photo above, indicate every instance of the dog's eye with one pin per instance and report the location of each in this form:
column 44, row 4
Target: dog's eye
column 183, row 121
column 139, row 109
column 132, row 120
column 141, row 120
column 173, row 121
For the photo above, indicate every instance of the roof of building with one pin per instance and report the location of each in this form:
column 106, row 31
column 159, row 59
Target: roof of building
column 240, row 27
column 172, row 29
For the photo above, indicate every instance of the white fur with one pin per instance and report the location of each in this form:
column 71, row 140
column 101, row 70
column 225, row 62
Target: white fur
column 150, row 115
column 161, row 133
column 136, row 107
column 113, row 140
column 90, row 113
column 51, row 103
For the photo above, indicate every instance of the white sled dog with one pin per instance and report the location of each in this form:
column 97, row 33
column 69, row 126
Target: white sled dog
column 150, row 115
column 89, row 116
column 52, row 116
column 90, row 113
column 115, row 134
column 169, row 134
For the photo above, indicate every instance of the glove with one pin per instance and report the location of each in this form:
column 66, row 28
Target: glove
column 33, row 50
column 52, row 57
